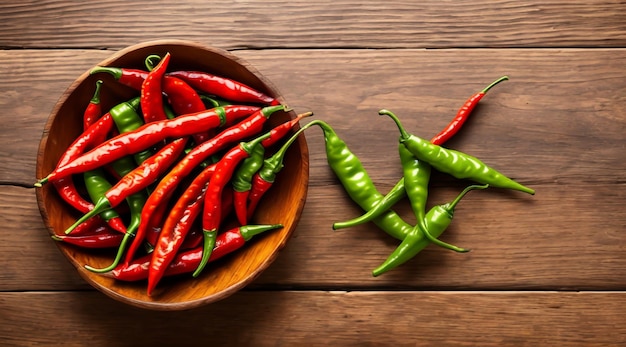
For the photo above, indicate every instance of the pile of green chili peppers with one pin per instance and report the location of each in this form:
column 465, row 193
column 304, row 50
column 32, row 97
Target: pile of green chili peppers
column 418, row 157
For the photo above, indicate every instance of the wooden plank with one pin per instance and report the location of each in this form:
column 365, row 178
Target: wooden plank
column 322, row 24
column 322, row 318
column 425, row 88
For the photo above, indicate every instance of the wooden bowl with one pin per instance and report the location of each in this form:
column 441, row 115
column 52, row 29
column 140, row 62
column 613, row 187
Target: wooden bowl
column 282, row 204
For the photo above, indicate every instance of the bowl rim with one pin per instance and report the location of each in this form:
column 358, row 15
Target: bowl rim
column 155, row 304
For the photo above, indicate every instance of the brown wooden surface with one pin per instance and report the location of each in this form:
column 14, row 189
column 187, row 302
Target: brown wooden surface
column 544, row 270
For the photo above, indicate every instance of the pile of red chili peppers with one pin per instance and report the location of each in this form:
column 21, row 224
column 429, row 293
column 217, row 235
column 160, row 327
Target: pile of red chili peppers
column 156, row 176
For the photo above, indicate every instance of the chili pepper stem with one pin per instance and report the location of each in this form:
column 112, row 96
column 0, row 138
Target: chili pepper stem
column 113, row 71
column 403, row 133
column 101, row 205
column 503, row 78
column 118, row 256
column 449, row 209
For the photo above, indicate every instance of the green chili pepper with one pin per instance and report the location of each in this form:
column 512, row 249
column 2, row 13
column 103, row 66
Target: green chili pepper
column 455, row 163
column 127, row 119
column 436, row 222
column 357, row 183
column 392, row 197
column 96, row 185
column 416, row 174
column 242, row 182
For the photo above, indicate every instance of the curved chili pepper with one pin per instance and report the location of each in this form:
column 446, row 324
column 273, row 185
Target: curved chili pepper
column 101, row 237
column 226, row 88
column 151, row 92
column 129, row 77
column 177, row 225
column 195, row 236
column 186, row 262
column 263, row 180
column 248, row 127
column 136, row 179
column 278, row 132
column 463, row 113
column 149, row 134
column 455, row 163
column 94, row 110
column 211, row 215
column 184, row 100
column 242, row 182
column 436, row 222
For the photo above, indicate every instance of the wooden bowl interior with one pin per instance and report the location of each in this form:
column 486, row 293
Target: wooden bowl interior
column 282, row 204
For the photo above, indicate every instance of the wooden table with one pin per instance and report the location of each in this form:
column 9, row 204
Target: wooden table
column 545, row 270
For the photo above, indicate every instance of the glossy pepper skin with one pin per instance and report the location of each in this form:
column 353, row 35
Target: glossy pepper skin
column 463, row 114
column 96, row 185
column 226, row 88
column 436, row 222
column 211, row 214
column 151, row 92
column 94, row 110
column 357, row 183
column 101, row 237
column 416, row 175
column 148, row 135
column 187, row 261
column 242, row 182
column 455, row 163
column 177, row 224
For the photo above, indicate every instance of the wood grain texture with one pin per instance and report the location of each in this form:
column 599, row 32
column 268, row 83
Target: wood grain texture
column 320, row 24
column 318, row 318
column 425, row 88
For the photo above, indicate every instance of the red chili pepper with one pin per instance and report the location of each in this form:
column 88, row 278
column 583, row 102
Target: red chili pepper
column 184, row 100
column 147, row 135
column 185, row 262
column 101, row 237
column 226, row 88
column 463, row 113
column 194, row 236
column 211, row 215
column 136, row 180
column 177, row 225
column 93, row 110
column 154, row 225
column 151, row 92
